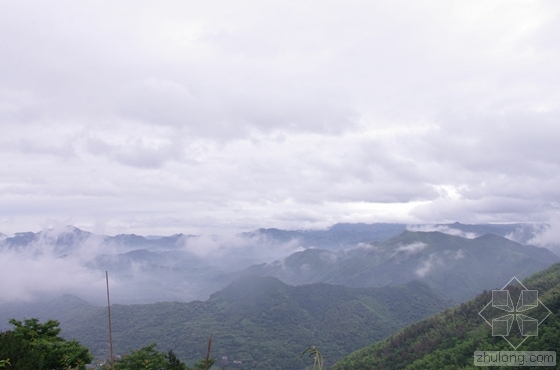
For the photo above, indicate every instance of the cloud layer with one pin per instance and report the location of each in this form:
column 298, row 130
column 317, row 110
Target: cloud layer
column 181, row 117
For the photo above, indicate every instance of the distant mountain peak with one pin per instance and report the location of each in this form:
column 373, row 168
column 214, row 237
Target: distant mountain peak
column 251, row 284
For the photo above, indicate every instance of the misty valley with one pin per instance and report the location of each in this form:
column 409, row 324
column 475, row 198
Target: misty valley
column 394, row 293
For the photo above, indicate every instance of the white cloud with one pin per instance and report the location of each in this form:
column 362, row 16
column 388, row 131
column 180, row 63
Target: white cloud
column 459, row 254
column 329, row 258
column 412, row 248
column 38, row 271
column 223, row 250
column 428, row 265
column 548, row 236
column 443, row 229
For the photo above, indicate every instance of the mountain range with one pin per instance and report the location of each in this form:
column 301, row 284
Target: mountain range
column 455, row 267
column 457, row 260
column 349, row 235
column 338, row 236
column 259, row 322
column 339, row 289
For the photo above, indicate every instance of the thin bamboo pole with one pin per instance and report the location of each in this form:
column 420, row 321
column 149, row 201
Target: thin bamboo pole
column 110, row 328
column 208, row 352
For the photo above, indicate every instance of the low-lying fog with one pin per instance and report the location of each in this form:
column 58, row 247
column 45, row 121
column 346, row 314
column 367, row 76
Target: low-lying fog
column 180, row 267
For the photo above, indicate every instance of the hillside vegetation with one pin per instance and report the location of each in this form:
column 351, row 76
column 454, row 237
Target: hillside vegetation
column 261, row 322
column 448, row 340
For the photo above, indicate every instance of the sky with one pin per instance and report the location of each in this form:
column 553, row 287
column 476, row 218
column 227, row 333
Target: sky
column 181, row 116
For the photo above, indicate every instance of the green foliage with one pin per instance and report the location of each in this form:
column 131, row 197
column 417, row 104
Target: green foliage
column 41, row 342
column 145, row 358
column 449, row 340
column 149, row 358
column 22, row 355
column 3, row 363
column 201, row 365
column 174, row 362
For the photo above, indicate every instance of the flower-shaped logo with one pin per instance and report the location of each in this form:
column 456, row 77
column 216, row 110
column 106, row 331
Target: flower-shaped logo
column 528, row 313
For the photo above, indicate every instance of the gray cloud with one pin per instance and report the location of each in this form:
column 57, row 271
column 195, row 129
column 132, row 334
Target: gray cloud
column 180, row 117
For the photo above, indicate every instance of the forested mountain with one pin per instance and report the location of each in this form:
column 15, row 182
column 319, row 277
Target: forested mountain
column 336, row 237
column 455, row 267
column 68, row 309
column 345, row 298
column 259, row 321
column 448, row 340
column 521, row 233
column 173, row 268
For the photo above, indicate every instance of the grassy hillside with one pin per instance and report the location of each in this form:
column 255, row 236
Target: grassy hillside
column 448, row 340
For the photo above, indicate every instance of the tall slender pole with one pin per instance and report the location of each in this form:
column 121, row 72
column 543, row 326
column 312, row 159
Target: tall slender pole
column 110, row 329
column 208, row 353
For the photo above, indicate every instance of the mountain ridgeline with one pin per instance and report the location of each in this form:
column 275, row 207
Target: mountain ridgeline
column 455, row 267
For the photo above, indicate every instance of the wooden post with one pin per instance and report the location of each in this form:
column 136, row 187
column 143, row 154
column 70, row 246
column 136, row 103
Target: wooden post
column 208, row 352
column 110, row 328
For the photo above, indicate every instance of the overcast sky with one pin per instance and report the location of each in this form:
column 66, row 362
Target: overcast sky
column 183, row 116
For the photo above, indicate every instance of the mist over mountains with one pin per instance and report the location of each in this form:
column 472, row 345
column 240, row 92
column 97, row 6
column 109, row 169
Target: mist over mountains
column 182, row 267
column 455, row 267
column 266, row 294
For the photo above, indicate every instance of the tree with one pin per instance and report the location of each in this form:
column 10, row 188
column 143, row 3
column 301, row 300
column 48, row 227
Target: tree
column 145, row 358
column 20, row 353
column 148, row 358
column 55, row 352
column 174, row 362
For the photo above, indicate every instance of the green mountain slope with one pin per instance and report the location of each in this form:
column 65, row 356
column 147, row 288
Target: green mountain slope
column 68, row 309
column 262, row 322
column 448, row 340
column 455, row 267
